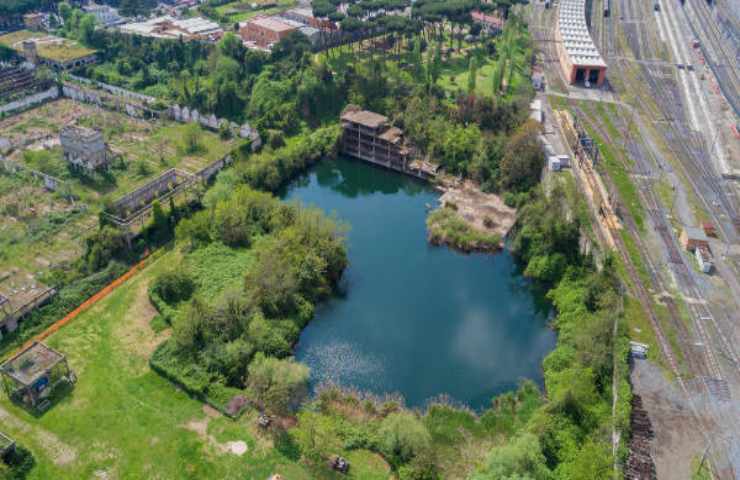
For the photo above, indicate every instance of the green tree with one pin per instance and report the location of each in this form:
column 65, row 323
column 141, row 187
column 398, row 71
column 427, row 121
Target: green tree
column 403, row 436
column 519, row 459
column 472, row 75
column 524, row 159
column 278, row 384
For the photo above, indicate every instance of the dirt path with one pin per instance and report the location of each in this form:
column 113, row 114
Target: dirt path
column 134, row 330
column 58, row 451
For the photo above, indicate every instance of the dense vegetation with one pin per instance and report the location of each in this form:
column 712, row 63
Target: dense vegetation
column 16, row 464
column 242, row 339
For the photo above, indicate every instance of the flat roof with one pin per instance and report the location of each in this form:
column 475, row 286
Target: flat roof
column 575, row 35
column 273, row 23
column 32, row 363
column 366, row 118
column 48, row 46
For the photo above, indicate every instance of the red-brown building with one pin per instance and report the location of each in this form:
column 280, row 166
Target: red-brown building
column 580, row 61
column 263, row 32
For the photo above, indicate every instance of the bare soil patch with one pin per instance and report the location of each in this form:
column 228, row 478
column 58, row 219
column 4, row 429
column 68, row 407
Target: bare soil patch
column 486, row 212
column 134, row 331
column 59, row 452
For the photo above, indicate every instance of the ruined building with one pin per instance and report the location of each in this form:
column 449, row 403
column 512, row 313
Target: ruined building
column 84, row 147
column 369, row 136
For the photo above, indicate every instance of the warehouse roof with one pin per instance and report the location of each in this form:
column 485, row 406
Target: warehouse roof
column 575, row 35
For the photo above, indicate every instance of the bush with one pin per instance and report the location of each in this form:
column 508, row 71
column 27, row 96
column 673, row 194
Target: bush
column 447, row 227
column 173, row 286
column 16, row 464
column 402, row 437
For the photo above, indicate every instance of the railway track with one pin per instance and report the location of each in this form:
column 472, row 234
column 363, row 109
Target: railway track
column 723, row 65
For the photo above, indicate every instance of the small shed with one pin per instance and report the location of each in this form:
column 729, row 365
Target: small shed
column 704, row 258
column 692, row 238
column 32, row 375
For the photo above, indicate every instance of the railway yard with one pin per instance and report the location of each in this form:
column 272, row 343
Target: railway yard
column 666, row 127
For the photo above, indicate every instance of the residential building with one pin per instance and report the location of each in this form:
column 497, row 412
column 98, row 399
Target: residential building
column 264, row 32
column 491, row 23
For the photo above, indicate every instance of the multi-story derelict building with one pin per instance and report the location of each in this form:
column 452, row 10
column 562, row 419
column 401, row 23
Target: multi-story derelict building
column 580, row 60
column 369, row 136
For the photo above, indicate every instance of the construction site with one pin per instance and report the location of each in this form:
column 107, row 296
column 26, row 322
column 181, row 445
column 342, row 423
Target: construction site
column 664, row 124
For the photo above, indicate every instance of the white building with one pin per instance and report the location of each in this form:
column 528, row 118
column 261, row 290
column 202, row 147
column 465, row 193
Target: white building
column 197, row 28
column 105, row 15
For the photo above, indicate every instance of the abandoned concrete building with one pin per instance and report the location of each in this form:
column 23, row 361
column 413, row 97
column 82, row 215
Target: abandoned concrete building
column 15, row 78
column 369, row 136
column 32, row 376
column 84, row 148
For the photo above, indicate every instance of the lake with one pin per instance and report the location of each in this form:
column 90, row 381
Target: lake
column 415, row 319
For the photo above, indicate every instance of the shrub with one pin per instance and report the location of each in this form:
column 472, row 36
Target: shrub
column 173, row 286
column 402, row 437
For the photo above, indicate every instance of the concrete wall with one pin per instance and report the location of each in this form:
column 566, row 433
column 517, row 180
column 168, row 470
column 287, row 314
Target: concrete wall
column 30, row 101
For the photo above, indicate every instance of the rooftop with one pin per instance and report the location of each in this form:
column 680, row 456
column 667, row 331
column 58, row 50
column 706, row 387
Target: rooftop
column 575, row 35
column 32, row 363
column 48, row 46
column 274, row 24
column 696, row 233
column 5, row 442
column 365, row 118
column 304, row 12
column 170, row 27
column 81, row 132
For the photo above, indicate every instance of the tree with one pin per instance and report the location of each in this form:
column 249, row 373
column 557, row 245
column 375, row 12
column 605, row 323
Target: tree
column 191, row 139
column 472, row 75
column 173, row 286
column 524, row 159
column 520, row 459
column 278, row 384
column 403, row 436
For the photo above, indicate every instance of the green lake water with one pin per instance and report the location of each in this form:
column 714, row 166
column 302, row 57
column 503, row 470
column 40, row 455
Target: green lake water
column 415, row 319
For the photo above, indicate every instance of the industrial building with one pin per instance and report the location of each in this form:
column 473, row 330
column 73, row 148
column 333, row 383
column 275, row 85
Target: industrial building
column 196, row 28
column 580, row 61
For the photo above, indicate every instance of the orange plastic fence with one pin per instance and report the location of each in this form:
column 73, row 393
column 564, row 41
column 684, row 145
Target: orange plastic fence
column 101, row 294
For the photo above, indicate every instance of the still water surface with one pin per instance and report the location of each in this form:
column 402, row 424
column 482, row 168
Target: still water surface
column 416, row 319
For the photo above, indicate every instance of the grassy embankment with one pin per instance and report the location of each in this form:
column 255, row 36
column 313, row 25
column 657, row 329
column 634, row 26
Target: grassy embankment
column 124, row 420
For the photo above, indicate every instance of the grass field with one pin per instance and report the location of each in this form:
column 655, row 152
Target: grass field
column 240, row 11
column 124, row 421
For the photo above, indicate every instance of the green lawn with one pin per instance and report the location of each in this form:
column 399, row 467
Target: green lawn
column 124, row 421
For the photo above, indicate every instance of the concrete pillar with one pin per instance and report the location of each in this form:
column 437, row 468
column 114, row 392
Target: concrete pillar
column 602, row 77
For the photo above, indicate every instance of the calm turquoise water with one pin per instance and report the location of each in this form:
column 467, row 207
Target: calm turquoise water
column 415, row 319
